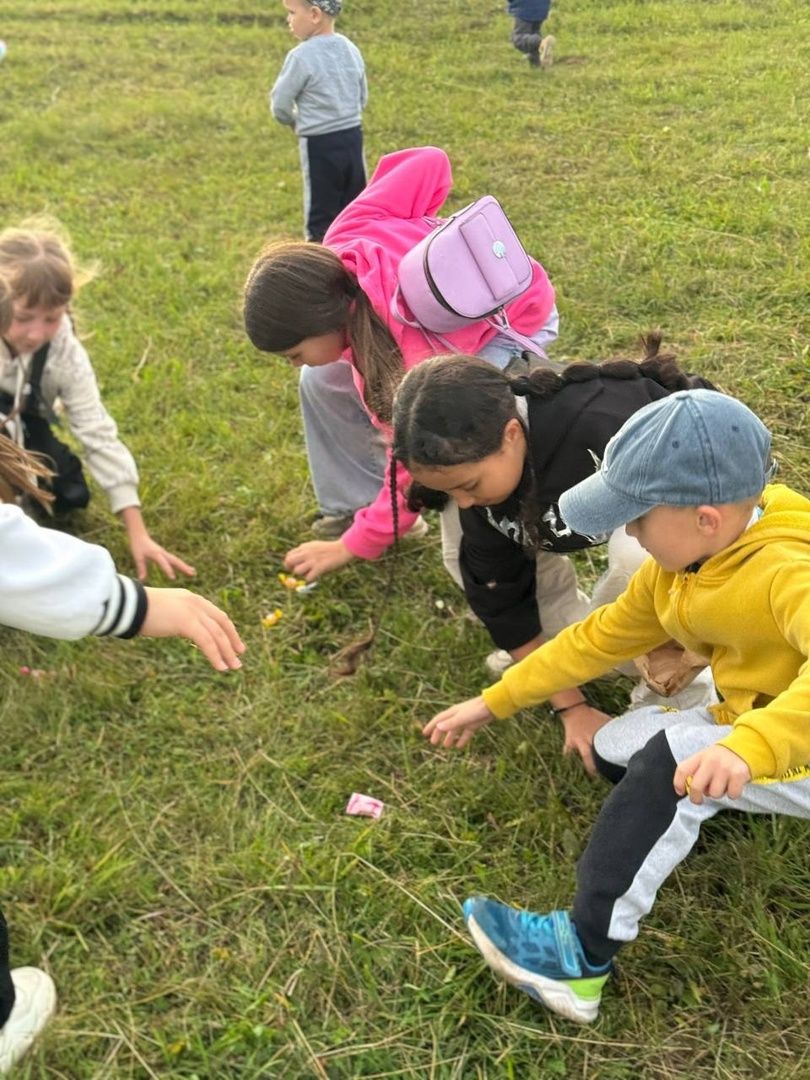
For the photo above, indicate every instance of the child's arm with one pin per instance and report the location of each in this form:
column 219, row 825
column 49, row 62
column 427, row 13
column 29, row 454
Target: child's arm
column 53, row 584
column 70, row 376
column 180, row 613
column 500, row 583
column 369, row 535
column 56, row 585
column 314, row 558
column 288, row 86
column 457, row 725
column 108, row 459
column 372, row 530
column 609, row 636
column 614, row 633
column 776, row 738
column 499, row 579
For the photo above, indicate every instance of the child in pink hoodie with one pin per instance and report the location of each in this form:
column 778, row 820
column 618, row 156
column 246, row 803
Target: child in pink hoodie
column 327, row 310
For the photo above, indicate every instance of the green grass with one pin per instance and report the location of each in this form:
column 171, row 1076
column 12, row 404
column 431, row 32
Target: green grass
column 173, row 843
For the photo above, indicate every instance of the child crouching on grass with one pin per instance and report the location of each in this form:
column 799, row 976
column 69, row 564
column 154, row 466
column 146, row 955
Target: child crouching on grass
column 729, row 578
column 41, row 359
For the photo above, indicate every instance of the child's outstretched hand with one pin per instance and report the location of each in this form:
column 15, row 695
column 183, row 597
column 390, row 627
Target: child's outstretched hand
column 715, row 771
column 180, row 613
column 317, row 557
column 145, row 550
column 457, row 725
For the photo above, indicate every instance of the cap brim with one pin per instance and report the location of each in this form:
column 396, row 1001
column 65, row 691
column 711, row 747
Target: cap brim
column 591, row 508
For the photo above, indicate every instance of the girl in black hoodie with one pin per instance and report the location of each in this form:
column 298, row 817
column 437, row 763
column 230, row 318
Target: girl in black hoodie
column 504, row 449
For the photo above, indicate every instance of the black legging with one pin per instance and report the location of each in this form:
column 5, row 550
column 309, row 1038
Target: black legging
column 6, row 985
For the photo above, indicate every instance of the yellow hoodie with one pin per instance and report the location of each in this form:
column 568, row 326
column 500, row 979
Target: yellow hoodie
column 747, row 609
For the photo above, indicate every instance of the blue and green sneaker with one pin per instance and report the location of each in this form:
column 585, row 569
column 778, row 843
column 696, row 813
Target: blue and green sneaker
column 539, row 954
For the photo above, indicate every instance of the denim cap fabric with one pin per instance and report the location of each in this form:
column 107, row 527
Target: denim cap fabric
column 328, row 7
column 693, row 448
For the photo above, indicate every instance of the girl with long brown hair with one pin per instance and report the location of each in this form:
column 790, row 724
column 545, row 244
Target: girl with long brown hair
column 327, row 310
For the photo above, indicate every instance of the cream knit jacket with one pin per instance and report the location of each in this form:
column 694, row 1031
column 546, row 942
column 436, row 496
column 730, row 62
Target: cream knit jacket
column 69, row 377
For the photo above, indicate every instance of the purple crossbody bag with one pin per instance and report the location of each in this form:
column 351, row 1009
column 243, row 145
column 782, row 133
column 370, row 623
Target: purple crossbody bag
column 465, row 271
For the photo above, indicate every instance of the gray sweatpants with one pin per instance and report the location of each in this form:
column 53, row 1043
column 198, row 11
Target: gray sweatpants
column 645, row 829
column 346, row 452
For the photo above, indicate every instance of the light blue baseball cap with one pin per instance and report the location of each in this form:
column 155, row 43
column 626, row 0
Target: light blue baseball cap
column 693, row 448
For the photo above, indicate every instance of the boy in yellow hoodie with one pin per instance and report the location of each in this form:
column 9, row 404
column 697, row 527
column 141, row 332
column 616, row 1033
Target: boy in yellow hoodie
column 729, row 578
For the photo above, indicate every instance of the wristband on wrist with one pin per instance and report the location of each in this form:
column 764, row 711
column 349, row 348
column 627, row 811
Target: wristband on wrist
column 565, row 708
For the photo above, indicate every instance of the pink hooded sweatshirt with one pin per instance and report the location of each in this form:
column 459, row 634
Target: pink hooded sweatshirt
column 370, row 236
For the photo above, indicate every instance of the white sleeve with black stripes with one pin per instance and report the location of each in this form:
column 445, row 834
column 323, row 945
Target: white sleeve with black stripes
column 56, row 585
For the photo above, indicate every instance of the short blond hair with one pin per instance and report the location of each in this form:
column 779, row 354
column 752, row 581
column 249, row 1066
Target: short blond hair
column 38, row 264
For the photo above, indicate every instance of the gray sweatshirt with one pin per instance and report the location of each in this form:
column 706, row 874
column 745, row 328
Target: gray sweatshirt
column 321, row 87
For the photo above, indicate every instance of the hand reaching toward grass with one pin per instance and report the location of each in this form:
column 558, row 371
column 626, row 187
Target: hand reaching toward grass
column 457, row 725
column 317, row 557
column 145, row 550
column 180, row 613
column 580, row 725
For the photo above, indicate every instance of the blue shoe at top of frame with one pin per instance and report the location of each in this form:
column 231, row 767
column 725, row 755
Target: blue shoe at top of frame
column 539, row 954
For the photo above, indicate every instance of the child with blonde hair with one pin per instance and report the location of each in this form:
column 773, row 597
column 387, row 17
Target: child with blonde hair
column 320, row 93
column 42, row 360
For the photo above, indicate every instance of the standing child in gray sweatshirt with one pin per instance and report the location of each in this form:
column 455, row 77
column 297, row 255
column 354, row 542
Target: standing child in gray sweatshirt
column 321, row 93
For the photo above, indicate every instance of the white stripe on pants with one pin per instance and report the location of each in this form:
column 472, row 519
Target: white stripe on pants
column 634, row 740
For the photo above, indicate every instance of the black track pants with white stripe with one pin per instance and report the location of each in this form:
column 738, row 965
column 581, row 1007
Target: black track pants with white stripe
column 645, row 829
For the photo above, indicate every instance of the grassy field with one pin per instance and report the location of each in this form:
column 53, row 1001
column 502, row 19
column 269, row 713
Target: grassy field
column 173, row 844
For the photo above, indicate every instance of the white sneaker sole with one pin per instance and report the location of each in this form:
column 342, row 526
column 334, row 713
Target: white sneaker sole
column 34, row 1005
column 555, row 995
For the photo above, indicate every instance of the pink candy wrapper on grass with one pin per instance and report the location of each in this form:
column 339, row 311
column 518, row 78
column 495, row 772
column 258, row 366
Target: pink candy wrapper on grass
column 364, row 805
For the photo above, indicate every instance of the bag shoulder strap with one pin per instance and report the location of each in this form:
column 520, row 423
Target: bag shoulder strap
column 499, row 321
column 35, row 376
column 31, row 390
